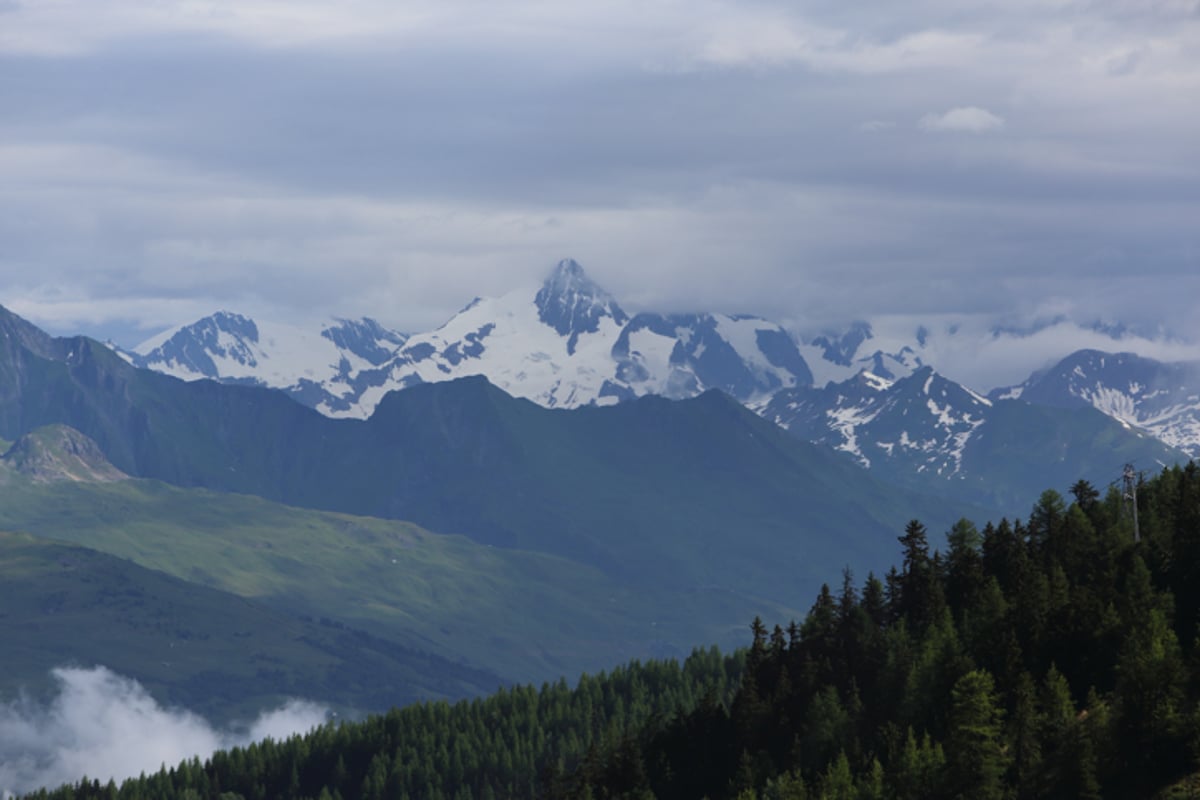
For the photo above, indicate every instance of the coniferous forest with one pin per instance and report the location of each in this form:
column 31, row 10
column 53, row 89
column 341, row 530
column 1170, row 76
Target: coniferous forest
column 1053, row 656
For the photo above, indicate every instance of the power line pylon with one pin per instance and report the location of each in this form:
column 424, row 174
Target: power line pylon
column 1129, row 495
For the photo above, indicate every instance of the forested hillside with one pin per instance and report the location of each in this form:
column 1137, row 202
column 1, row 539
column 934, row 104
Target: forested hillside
column 1052, row 657
column 1047, row 657
column 504, row 746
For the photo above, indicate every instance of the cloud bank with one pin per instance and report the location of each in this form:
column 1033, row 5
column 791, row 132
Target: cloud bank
column 104, row 726
column 984, row 357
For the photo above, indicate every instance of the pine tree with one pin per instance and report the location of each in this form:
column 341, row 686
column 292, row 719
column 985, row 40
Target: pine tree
column 1025, row 729
column 975, row 754
column 1151, row 679
column 964, row 566
column 837, row 782
column 921, row 597
column 788, row 786
column 1085, row 495
column 918, row 770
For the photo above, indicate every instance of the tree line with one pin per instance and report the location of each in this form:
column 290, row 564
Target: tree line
column 1050, row 657
column 502, row 746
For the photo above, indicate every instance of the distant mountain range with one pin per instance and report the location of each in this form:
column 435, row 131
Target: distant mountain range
column 564, row 345
column 570, row 344
column 930, row 434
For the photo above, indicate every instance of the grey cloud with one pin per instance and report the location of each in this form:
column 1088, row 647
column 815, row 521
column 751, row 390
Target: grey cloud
column 400, row 175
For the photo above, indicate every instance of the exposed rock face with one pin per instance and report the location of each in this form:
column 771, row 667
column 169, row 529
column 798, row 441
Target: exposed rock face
column 571, row 303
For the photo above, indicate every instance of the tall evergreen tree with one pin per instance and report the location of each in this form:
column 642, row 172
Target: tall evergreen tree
column 976, row 755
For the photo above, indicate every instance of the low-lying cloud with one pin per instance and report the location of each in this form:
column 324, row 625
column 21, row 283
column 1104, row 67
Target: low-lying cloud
column 983, row 355
column 102, row 725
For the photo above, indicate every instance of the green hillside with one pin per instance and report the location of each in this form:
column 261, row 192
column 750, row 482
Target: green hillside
column 518, row 614
column 193, row 646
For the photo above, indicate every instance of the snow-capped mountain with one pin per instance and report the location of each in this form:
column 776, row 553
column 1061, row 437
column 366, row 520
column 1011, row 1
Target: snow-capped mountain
column 1161, row 398
column 839, row 357
column 570, row 344
column 551, row 345
column 567, row 343
column 922, row 420
column 932, row 434
column 680, row 355
column 331, row 366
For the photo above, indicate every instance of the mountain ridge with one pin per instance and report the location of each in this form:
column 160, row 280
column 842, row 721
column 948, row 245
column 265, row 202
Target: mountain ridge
column 923, row 431
column 1162, row 398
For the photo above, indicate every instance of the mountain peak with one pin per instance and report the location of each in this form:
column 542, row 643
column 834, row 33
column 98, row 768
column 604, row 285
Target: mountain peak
column 568, row 269
column 207, row 330
column 224, row 335
column 572, row 303
column 17, row 332
column 60, row 453
column 365, row 338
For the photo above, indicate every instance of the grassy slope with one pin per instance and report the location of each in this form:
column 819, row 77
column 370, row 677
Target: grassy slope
column 522, row 615
column 207, row 650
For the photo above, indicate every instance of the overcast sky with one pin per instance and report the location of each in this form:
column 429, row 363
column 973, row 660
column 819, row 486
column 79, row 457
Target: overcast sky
column 814, row 162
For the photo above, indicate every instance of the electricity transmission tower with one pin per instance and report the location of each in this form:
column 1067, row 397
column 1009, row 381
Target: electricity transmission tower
column 1130, row 479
